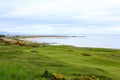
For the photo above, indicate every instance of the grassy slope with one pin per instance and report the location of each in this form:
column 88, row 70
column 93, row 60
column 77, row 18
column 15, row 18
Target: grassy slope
column 28, row 63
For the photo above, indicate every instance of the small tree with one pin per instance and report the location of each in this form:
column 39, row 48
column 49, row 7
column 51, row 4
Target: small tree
column 46, row 74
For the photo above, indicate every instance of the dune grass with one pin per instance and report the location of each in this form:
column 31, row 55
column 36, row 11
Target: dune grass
column 29, row 62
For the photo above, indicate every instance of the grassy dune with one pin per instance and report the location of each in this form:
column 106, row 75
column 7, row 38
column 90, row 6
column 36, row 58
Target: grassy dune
column 29, row 62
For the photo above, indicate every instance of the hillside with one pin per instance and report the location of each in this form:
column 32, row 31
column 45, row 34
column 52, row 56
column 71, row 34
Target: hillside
column 29, row 62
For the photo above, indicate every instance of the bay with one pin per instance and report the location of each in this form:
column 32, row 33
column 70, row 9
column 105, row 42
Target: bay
column 86, row 40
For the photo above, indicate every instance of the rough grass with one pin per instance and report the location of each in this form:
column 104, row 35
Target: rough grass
column 29, row 62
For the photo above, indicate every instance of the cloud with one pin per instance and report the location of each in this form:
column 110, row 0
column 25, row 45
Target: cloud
column 39, row 8
column 60, row 16
column 52, row 29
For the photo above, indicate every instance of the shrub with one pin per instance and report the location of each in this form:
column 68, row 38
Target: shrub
column 46, row 74
column 90, row 77
column 57, row 77
column 53, row 76
column 20, row 43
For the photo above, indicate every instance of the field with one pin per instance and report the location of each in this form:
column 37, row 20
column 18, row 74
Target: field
column 29, row 62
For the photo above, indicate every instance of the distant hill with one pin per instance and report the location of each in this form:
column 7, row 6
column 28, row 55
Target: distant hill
column 9, row 33
column 12, row 33
column 5, row 33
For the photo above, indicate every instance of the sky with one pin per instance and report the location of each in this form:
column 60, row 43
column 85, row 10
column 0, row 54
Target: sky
column 60, row 16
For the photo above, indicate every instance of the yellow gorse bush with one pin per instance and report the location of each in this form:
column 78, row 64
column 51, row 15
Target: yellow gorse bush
column 82, row 77
column 57, row 76
column 85, row 77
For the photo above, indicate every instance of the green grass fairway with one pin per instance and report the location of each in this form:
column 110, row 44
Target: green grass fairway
column 29, row 63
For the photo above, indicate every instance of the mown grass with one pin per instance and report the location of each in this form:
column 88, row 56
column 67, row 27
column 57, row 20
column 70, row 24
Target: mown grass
column 29, row 62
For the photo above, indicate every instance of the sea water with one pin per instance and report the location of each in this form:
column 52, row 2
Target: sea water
column 86, row 40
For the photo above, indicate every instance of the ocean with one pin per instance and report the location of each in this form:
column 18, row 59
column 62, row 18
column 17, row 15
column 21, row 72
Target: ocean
column 86, row 40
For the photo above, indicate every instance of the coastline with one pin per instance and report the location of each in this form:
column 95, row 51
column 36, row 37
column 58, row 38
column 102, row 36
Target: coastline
column 30, row 39
column 51, row 36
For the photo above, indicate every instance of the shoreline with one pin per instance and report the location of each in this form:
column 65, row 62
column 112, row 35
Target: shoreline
column 51, row 36
column 30, row 40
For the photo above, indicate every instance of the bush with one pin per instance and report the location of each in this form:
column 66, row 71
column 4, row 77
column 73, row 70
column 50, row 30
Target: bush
column 90, row 77
column 57, row 77
column 46, row 74
column 20, row 43
column 53, row 76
